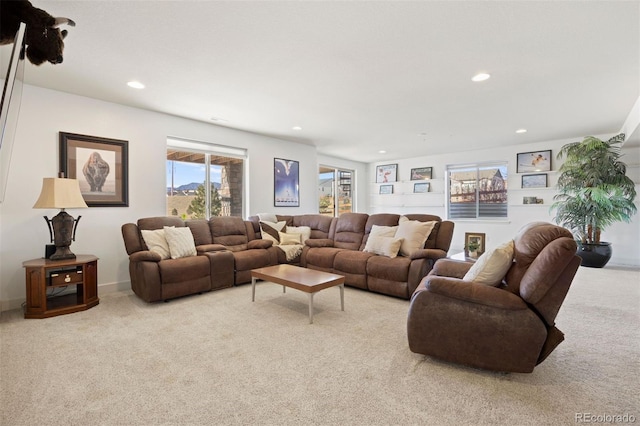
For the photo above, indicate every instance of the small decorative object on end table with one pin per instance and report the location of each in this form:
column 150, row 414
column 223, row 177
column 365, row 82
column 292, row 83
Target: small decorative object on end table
column 42, row 274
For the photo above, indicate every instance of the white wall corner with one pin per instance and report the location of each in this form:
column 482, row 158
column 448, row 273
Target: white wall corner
column 631, row 126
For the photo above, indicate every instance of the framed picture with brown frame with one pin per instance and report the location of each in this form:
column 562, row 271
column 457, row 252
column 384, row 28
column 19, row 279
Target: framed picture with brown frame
column 474, row 244
column 100, row 165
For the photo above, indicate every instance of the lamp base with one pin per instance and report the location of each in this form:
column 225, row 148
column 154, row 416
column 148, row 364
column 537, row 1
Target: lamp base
column 62, row 253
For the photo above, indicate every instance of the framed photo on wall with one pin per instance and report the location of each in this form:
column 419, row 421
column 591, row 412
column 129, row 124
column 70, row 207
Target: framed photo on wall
column 421, row 173
column 387, row 173
column 534, row 181
column 286, row 183
column 101, row 167
column 386, row 189
column 419, row 188
column 536, row 161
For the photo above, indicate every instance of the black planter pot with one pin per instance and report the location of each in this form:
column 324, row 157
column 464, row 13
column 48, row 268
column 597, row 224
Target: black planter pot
column 594, row 255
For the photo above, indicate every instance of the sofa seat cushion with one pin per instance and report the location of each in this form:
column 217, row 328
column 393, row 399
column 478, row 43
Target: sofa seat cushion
column 184, row 269
column 396, row 269
column 353, row 262
column 322, row 257
column 251, row 259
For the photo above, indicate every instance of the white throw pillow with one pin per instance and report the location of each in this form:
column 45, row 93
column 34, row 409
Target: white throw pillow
column 270, row 230
column 383, row 231
column 414, row 234
column 304, row 231
column 156, row 242
column 267, row 217
column 180, row 241
column 492, row 266
column 287, row 239
column 383, row 246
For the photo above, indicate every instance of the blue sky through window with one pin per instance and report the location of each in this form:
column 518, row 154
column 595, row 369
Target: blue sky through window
column 185, row 173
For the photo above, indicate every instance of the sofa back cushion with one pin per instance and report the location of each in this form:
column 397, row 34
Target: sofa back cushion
column 320, row 225
column 200, row 230
column 160, row 222
column 378, row 219
column 229, row 231
column 349, row 230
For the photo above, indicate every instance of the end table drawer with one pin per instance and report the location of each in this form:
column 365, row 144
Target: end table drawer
column 62, row 277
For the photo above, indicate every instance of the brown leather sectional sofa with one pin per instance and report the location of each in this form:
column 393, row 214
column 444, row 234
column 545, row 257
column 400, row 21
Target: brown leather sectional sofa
column 228, row 248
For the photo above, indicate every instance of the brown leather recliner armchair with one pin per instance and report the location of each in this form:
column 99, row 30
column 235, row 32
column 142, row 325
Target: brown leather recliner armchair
column 506, row 328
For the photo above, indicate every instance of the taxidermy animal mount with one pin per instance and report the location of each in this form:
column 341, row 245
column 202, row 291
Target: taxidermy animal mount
column 43, row 38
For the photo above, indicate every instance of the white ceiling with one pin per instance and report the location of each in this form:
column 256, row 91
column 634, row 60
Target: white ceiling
column 361, row 76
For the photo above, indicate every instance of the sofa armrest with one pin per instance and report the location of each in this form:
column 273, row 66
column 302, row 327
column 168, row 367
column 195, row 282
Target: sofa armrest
column 471, row 292
column 205, row 248
column 145, row 256
column 319, row 242
column 451, row 268
column 434, row 254
column 259, row 244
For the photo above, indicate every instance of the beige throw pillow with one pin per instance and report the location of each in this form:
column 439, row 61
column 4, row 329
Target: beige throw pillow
column 383, row 246
column 383, row 231
column 287, row 238
column 180, row 242
column 304, row 231
column 414, row 234
column 156, row 242
column 492, row 266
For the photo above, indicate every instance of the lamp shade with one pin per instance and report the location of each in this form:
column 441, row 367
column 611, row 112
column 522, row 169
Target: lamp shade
column 60, row 193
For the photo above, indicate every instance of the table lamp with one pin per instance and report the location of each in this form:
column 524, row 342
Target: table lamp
column 61, row 193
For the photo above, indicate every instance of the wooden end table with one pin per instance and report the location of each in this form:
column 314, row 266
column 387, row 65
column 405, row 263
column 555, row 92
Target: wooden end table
column 43, row 274
column 308, row 280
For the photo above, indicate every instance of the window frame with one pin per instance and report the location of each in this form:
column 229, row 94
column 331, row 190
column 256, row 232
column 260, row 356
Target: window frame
column 210, row 150
column 468, row 167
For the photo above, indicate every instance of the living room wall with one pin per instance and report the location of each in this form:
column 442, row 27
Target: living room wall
column 44, row 113
column 623, row 236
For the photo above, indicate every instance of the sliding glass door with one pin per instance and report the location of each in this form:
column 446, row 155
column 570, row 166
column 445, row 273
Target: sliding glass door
column 335, row 189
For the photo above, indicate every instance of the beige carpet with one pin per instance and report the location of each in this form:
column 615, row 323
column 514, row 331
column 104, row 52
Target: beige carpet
column 219, row 359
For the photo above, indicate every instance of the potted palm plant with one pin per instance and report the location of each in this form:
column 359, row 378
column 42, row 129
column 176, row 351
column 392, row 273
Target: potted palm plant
column 594, row 192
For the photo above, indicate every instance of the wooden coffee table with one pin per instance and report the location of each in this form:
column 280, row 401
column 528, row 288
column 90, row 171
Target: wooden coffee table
column 308, row 280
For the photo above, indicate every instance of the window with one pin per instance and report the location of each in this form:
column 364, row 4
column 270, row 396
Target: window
column 204, row 180
column 335, row 188
column 477, row 191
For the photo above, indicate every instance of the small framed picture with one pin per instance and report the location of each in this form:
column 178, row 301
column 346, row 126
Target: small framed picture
column 473, row 244
column 101, row 167
column 387, row 173
column 419, row 188
column 529, row 200
column 534, row 181
column 536, row 161
column 386, row 189
column 421, row 173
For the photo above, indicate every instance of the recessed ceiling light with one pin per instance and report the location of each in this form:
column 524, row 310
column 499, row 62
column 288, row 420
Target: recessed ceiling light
column 297, row 128
column 135, row 85
column 382, row 151
column 219, row 120
column 521, row 131
column 480, row 77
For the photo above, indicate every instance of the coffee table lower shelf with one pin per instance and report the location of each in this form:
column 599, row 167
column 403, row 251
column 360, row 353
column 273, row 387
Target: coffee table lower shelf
column 307, row 280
